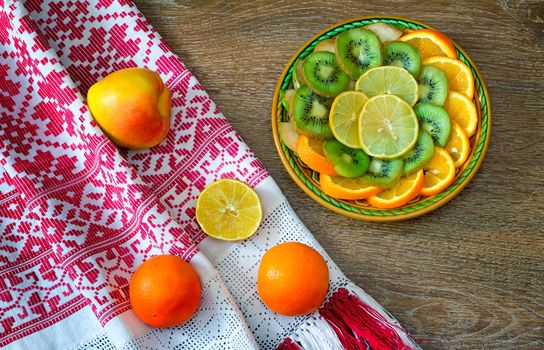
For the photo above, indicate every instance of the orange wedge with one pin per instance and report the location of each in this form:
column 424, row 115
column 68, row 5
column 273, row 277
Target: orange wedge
column 430, row 43
column 310, row 151
column 343, row 188
column 439, row 173
column 403, row 192
column 462, row 111
column 458, row 146
column 459, row 75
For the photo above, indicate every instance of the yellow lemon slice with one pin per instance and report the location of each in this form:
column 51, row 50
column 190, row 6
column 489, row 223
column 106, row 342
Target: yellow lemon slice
column 229, row 210
column 344, row 117
column 389, row 80
column 388, row 127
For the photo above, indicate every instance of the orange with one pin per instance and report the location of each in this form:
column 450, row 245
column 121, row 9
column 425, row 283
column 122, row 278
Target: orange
column 165, row 291
column 458, row 146
column 439, row 173
column 293, row 279
column 430, row 43
column 310, row 151
column 459, row 75
column 343, row 188
column 403, row 192
column 462, row 111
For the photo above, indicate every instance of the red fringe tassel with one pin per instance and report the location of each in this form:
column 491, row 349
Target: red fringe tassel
column 288, row 344
column 358, row 326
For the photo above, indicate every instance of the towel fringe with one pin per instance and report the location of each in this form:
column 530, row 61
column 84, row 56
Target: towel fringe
column 288, row 344
column 358, row 326
column 349, row 320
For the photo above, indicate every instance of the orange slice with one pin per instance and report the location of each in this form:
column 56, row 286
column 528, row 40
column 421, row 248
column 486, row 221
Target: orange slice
column 458, row 146
column 403, row 192
column 430, row 43
column 462, row 111
column 343, row 188
column 439, row 173
column 310, row 151
column 459, row 75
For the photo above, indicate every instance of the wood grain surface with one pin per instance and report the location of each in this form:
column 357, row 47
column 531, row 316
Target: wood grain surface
column 469, row 275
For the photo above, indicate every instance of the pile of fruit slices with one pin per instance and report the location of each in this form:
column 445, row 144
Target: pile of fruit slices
column 381, row 114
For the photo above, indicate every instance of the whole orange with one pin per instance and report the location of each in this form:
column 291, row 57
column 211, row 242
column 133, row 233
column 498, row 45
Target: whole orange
column 293, row 279
column 165, row 291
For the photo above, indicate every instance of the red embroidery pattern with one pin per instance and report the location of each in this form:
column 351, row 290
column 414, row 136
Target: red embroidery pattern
column 76, row 214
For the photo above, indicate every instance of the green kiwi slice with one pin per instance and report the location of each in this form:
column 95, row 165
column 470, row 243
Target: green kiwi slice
column 433, row 86
column 420, row 155
column 323, row 75
column 347, row 162
column 434, row 120
column 384, row 172
column 311, row 113
column 401, row 54
column 358, row 50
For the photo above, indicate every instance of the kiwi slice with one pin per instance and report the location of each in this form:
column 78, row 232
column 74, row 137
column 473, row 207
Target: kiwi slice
column 323, row 75
column 434, row 120
column 347, row 162
column 401, row 54
column 433, row 86
column 311, row 113
column 420, row 155
column 298, row 75
column 326, row 45
column 384, row 172
column 358, row 50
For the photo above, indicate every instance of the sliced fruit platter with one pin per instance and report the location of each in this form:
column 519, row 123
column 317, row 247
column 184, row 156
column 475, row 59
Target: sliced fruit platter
column 381, row 118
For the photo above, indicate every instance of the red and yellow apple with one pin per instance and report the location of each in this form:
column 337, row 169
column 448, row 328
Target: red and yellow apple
column 132, row 106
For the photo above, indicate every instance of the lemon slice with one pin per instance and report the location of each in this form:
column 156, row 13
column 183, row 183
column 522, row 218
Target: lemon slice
column 388, row 127
column 344, row 117
column 389, row 80
column 229, row 210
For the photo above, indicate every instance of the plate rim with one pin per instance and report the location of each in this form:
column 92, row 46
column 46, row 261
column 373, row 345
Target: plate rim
column 381, row 214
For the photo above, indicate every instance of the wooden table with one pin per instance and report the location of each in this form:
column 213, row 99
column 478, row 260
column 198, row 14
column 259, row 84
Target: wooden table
column 469, row 275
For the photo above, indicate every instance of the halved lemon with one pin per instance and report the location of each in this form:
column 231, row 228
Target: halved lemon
column 462, row 110
column 388, row 127
column 459, row 75
column 439, row 173
column 458, row 146
column 430, row 43
column 389, row 80
column 343, row 188
column 229, row 210
column 344, row 117
column 403, row 192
